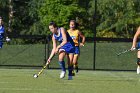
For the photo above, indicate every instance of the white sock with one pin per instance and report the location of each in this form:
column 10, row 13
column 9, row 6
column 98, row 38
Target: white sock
column 138, row 70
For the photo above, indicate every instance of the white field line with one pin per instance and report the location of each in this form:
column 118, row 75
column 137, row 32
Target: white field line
column 22, row 89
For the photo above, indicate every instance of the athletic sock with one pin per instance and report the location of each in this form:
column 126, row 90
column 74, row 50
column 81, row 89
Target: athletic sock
column 70, row 69
column 62, row 65
column 138, row 69
column 1, row 44
column 76, row 68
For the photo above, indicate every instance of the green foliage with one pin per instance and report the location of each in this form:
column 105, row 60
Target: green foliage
column 116, row 15
column 21, row 20
column 59, row 12
column 4, row 11
column 41, row 12
column 119, row 17
column 105, row 33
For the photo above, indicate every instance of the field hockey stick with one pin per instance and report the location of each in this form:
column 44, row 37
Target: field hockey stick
column 37, row 75
column 125, row 51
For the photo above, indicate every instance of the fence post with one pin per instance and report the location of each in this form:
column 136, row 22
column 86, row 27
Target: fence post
column 94, row 37
column 45, row 56
column 48, row 46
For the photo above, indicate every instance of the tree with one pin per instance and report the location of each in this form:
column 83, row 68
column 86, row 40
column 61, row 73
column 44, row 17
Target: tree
column 60, row 11
column 4, row 10
column 116, row 16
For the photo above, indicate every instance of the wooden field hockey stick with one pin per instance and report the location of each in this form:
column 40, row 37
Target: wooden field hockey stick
column 125, row 51
column 37, row 75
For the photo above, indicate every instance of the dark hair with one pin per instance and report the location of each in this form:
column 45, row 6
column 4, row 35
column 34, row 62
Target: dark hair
column 53, row 24
column 76, row 24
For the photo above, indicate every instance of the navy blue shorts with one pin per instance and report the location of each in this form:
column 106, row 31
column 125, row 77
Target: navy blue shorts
column 77, row 50
column 68, row 48
column 138, row 46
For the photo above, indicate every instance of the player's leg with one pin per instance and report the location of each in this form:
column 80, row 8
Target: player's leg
column 1, row 43
column 62, row 63
column 75, row 62
column 69, row 49
column 138, row 62
column 70, row 65
column 75, row 59
column 138, row 58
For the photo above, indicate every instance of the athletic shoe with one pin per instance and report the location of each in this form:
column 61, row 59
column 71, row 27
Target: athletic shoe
column 69, row 77
column 138, row 70
column 62, row 74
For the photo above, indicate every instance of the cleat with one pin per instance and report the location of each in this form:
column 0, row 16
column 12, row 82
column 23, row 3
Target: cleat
column 62, row 74
column 69, row 77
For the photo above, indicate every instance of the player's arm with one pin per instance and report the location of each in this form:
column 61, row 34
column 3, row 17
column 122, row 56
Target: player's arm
column 2, row 32
column 135, row 38
column 64, row 38
column 53, row 50
column 83, row 38
column 4, row 35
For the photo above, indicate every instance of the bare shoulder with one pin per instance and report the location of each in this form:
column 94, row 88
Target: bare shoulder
column 62, row 30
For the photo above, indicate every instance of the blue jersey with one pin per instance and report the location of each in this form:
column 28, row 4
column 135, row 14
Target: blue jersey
column 1, row 35
column 69, row 47
column 1, row 32
column 60, row 39
column 138, row 45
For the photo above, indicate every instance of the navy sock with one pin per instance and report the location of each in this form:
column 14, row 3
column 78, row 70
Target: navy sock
column 1, row 44
column 62, row 65
column 70, row 68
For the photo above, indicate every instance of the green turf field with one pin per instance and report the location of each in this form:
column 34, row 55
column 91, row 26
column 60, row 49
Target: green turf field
column 22, row 81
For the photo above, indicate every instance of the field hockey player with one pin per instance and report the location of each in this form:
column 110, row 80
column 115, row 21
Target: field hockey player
column 66, row 47
column 137, row 45
column 76, row 35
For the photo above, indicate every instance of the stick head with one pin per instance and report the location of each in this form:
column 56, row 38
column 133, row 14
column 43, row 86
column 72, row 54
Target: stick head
column 132, row 49
column 35, row 76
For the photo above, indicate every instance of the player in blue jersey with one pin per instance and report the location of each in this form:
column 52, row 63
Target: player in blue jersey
column 66, row 47
column 1, row 32
column 136, row 45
